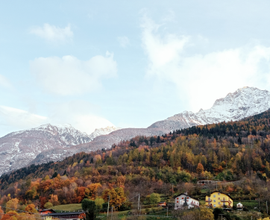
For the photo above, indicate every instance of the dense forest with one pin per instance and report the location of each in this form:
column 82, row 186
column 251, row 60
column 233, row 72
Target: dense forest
column 234, row 153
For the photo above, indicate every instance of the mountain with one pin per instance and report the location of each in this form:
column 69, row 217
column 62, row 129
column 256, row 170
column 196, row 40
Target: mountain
column 50, row 143
column 18, row 149
column 100, row 142
column 242, row 103
column 186, row 155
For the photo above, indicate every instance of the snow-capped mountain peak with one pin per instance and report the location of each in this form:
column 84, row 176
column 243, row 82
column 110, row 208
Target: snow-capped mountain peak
column 244, row 102
column 18, row 149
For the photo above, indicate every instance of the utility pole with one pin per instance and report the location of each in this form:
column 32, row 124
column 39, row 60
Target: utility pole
column 108, row 206
column 266, row 208
column 139, row 200
column 112, row 212
column 167, row 210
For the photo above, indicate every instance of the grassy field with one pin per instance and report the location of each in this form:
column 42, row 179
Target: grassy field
column 249, row 204
column 68, row 207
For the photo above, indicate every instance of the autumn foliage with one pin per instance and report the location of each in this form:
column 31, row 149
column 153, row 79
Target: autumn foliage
column 234, row 153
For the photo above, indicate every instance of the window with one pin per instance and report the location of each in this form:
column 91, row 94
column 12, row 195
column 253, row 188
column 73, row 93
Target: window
column 214, row 205
column 218, row 193
column 214, row 200
column 214, row 196
column 219, row 203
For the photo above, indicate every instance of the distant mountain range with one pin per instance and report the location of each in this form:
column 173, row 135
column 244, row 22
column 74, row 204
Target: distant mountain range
column 18, row 149
column 51, row 143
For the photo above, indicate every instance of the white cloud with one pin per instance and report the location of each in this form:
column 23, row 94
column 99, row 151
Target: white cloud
column 13, row 119
column 123, row 41
column 80, row 114
column 202, row 78
column 69, row 75
column 4, row 82
column 53, row 33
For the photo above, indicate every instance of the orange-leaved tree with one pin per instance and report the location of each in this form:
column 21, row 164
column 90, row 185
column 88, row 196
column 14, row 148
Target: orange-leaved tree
column 117, row 196
column 1, row 212
column 31, row 208
column 200, row 168
column 54, row 200
column 91, row 190
column 11, row 215
column 80, row 191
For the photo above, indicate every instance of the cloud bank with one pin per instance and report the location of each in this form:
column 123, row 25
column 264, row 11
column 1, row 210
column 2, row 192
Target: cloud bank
column 53, row 33
column 200, row 79
column 70, row 76
column 82, row 115
column 13, row 119
column 79, row 114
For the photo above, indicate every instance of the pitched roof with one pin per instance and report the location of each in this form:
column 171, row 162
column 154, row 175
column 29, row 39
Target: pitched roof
column 222, row 193
column 64, row 214
column 184, row 194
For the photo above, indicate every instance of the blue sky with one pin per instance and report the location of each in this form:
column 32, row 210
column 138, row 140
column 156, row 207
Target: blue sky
column 125, row 63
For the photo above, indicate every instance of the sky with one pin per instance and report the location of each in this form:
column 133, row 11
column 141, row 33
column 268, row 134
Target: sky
column 121, row 63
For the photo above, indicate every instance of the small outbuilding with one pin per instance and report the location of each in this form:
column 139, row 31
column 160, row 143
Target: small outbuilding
column 239, row 205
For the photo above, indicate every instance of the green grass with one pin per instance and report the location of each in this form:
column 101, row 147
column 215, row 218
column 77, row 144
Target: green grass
column 202, row 202
column 249, row 204
column 68, row 207
column 204, row 191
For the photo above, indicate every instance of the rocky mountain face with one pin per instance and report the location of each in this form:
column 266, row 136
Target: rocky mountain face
column 18, row 149
column 100, row 142
column 51, row 143
column 242, row 103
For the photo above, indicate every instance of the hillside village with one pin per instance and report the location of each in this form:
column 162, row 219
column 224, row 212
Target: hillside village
column 202, row 170
column 134, row 110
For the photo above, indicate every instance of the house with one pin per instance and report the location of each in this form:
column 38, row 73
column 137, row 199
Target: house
column 207, row 182
column 64, row 215
column 219, row 200
column 239, row 205
column 183, row 200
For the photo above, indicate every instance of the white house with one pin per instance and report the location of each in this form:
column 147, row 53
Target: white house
column 239, row 205
column 183, row 200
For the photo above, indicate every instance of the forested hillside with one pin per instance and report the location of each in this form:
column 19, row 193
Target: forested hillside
column 236, row 153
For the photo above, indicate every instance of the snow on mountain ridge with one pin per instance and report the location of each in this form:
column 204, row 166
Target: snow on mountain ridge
column 244, row 102
column 18, row 149
column 48, row 142
column 68, row 134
